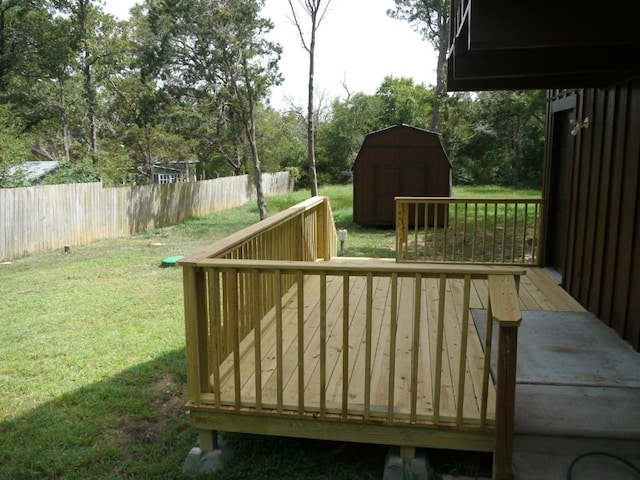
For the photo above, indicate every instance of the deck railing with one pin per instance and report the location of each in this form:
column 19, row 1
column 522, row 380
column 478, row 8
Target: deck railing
column 304, row 232
column 490, row 231
column 234, row 297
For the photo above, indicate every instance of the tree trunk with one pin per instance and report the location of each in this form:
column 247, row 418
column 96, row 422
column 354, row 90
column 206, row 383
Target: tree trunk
column 441, row 78
column 91, row 113
column 250, row 128
column 63, row 120
column 311, row 143
column 89, row 90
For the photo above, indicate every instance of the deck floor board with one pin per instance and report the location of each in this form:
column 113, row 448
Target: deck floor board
column 535, row 294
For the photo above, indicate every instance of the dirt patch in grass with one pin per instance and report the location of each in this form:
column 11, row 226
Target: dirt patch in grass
column 168, row 398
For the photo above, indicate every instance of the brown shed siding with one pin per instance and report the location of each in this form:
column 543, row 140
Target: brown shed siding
column 397, row 161
column 602, row 264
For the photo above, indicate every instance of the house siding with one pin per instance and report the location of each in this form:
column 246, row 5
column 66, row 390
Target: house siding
column 602, row 266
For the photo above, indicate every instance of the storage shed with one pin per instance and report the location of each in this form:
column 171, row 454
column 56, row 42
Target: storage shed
column 397, row 161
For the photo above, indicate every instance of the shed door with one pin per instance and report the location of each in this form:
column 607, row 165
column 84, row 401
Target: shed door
column 559, row 193
column 396, row 180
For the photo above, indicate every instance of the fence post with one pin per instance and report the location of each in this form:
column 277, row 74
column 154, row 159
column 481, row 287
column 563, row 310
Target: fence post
column 505, row 309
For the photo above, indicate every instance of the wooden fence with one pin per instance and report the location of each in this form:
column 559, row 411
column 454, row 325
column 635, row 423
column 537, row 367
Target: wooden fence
column 43, row 218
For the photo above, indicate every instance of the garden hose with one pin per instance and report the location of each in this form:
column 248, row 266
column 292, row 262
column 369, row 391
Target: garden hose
column 605, row 454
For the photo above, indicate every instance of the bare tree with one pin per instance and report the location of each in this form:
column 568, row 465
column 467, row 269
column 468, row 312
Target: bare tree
column 316, row 10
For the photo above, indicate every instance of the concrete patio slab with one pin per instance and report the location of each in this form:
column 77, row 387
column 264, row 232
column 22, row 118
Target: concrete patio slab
column 577, row 391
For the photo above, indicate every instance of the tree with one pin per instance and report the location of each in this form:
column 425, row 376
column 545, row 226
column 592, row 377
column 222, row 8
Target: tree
column 339, row 140
column 431, row 19
column 316, row 10
column 13, row 149
column 499, row 138
column 404, row 102
column 100, row 43
column 213, row 56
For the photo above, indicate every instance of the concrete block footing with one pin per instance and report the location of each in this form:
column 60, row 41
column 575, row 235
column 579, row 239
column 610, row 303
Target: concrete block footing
column 395, row 468
column 199, row 462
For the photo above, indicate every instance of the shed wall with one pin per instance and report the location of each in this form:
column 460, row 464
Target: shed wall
column 397, row 162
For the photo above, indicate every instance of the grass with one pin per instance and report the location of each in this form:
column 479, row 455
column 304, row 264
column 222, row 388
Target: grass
column 92, row 361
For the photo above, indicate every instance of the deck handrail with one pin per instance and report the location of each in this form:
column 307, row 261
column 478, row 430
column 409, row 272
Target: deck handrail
column 316, row 240
column 468, row 230
column 221, row 333
column 235, row 293
column 303, row 232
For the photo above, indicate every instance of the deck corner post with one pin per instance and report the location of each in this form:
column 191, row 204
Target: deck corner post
column 505, row 402
column 402, row 222
column 326, row 228
column 196, row 331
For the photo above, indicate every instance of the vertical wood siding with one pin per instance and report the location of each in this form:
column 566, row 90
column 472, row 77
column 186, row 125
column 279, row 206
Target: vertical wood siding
column 44, row 218
column 602, row 268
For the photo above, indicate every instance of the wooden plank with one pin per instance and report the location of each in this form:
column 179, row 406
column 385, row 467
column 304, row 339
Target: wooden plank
column 551, row 295
column 504, row 300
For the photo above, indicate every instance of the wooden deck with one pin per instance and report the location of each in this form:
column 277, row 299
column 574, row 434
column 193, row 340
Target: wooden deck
column 354, row 368
column 284, row 338
column 334, row 383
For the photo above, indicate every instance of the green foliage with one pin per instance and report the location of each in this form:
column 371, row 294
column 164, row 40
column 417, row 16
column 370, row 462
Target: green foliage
column 497, row 138
column 424, row 16
column 14, row 150
column 188, row 80
column 80, row 172
column 405, row 103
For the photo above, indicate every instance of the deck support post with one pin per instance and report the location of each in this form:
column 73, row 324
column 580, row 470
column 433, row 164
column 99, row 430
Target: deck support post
column 407, row 453
column 505, row 309
column 505, row 402
column 208, row 440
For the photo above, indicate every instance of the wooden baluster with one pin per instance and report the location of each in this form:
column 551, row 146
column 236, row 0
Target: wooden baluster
column 417, row 299
column 234, row 320
column 279, row 353
column 512, row 258
column 463, row 350
column 345, row 344
column 323, row 344
column 439, row 342
column 257, row 340
column 368, row 334
column 392, row 344
column 300, row 287
column 215, row 331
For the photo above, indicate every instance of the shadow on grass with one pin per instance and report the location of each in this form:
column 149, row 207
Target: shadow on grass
column 131, row 425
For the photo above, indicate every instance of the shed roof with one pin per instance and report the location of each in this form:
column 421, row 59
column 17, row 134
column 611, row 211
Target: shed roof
column 408, row 136
column 34, row 169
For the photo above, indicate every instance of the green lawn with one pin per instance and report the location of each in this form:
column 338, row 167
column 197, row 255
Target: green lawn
column 92, row 360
